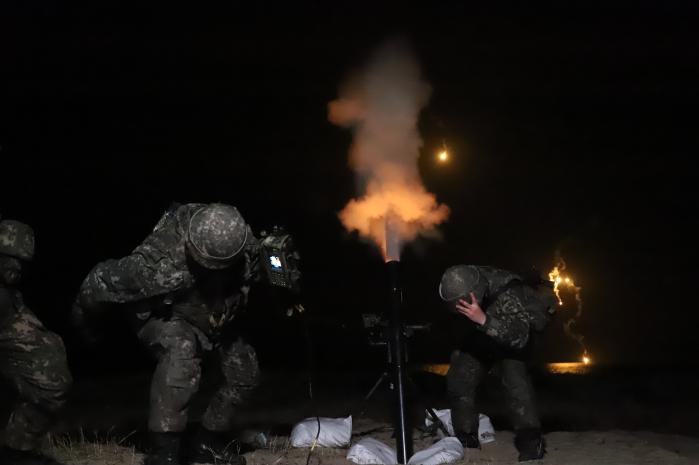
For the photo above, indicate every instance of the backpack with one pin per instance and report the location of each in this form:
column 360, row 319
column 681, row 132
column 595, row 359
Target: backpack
column 537, row 295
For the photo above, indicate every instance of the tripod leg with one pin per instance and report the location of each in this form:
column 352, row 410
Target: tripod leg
column 430, row 411
column 440, row 424
column 383, row 376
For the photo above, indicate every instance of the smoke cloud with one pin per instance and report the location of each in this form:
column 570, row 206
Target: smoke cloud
column 382, row 105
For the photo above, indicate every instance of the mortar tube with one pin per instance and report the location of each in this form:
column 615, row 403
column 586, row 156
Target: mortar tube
column 403, row 431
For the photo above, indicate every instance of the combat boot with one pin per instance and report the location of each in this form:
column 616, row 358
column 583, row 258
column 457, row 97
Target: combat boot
column 530, row 444
column 211, row 447
column 164, row 449
column 9, row 456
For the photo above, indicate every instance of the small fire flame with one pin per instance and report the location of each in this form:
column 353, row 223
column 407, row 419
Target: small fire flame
column 562, row 280
column 559, row 279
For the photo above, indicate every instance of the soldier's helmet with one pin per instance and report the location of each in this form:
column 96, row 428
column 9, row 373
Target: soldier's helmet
column 216, row 235
column 460, row 280
column 16, row 240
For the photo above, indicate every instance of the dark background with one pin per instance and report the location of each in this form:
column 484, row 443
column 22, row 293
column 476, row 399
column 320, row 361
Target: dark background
column 572, row 127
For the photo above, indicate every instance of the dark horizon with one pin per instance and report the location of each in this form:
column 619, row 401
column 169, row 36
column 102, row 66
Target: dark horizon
column 571, row 128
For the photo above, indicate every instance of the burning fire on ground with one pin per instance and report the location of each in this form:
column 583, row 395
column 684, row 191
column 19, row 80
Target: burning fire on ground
column 561, row 280
column 382, row 104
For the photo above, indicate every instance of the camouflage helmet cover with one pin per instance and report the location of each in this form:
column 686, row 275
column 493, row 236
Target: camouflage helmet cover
column 16, row 240
column 216, row 235
column 460, row 280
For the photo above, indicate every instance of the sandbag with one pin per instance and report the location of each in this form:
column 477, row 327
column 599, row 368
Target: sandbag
column 445, row 417
column 334, row 432
column 448, row 450
column 369, row 451
column 486, row 433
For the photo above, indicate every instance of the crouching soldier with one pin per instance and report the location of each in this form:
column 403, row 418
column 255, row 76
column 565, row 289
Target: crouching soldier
column 184, row 286
column 501, row 312
column 32, row 358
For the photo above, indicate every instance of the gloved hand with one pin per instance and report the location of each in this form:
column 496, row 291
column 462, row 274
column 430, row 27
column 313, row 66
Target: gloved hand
column 86, row 300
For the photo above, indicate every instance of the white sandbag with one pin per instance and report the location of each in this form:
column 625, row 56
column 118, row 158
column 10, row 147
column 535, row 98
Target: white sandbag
column 486, row 433
column 445, row 417
column 334, row 432
column 370, row 451
column 448, row 450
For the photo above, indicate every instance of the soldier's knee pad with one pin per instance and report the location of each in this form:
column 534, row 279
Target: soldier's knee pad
column 52, row 377
column 242, row 380
column 461, row 386
column 180, row 356
column 454, row 390
column 178, row 341
column 183, row 374
column 464, row 375
column 514, row 375
column 55, row 399
column 240, row 367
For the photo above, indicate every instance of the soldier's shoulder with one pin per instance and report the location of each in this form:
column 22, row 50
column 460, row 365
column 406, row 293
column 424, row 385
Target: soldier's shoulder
column 512, row 297
column 173, row 222
column 496, row 277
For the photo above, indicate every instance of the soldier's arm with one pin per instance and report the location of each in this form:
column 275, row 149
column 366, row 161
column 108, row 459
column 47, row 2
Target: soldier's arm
column 154, row 268
column 132, row 278
column 508, row 323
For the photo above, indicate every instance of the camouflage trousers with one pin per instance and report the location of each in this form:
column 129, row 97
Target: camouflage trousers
column 467, row 372
column 179, row 350
column 33, row 359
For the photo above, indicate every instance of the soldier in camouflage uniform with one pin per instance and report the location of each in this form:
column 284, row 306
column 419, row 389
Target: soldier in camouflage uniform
column 497, row 335
column 31, row 357
column 183, row 286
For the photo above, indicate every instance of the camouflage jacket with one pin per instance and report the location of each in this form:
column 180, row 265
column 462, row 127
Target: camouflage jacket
column 157, row 278
column 507, row 320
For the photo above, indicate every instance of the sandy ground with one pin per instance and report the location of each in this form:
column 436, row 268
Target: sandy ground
column 607, row 421
column 564, row 448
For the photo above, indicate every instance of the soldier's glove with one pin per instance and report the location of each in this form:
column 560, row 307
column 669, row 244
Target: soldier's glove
column 294, row 309
column 85, row 300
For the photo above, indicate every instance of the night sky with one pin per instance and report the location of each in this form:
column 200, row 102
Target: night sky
column 572, row 128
